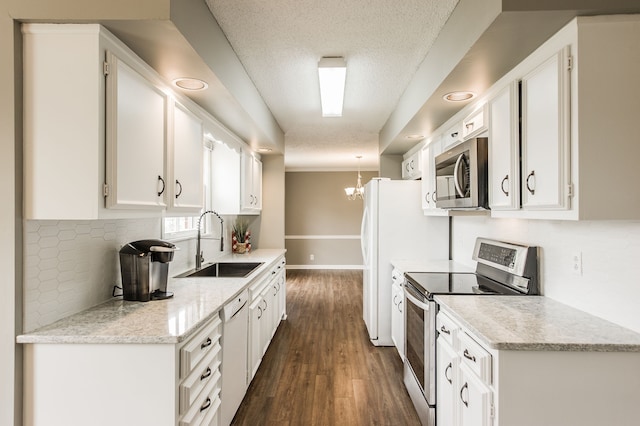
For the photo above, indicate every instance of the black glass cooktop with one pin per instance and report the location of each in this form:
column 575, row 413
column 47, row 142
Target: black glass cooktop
column 432, row 283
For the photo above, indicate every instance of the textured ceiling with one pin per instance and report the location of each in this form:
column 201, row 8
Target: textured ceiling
column 280, row 42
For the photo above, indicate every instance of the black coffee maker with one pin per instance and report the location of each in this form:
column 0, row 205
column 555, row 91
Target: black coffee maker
column 144, row 266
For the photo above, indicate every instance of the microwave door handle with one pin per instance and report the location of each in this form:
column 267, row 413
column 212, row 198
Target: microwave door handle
column 456, row 179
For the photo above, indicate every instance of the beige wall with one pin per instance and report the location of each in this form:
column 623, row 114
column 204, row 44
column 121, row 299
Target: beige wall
column 321, row 221
column 271, row 223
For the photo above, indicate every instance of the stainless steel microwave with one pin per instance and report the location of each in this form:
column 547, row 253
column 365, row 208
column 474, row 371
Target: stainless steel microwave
column 462, row 177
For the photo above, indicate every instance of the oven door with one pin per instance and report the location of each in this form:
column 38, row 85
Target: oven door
column 420, row 340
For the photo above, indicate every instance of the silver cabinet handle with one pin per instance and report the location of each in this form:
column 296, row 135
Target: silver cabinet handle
column 505, row 179
column 444, row 330
column 207, row 343
column 467, row 355
column 433, row 196
column 179, row 186
column 531, row 175
column 400, row 306
column 206, row 404
column 259, row 312
column 465, row 386
column 446, row 376
column 206, row 374
column 161, row 181
column 426, row 197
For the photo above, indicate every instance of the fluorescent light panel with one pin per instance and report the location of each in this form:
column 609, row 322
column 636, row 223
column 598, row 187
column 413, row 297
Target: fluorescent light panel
column 332, row 73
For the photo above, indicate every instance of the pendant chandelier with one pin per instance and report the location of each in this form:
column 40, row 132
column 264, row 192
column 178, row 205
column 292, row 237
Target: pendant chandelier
column 357, row 192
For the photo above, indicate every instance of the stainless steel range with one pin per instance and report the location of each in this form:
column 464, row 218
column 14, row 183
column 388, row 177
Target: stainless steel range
column 502, row 268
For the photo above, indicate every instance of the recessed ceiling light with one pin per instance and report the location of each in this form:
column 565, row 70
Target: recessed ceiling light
column 459, row 96
column 264, row 149
column 187, row 83
column 415, row 136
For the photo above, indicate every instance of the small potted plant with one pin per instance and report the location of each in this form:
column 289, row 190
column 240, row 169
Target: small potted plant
column 240, row 236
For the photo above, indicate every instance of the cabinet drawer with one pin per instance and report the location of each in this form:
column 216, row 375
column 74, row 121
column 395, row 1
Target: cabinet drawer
column 206, row 406
column 447, row 329
column 199, row 346
column 200, row 377
column 475, row 357
column 475, row 123
column 452, row 136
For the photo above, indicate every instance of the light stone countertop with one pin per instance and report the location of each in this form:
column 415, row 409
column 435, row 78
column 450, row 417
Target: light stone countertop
column 195, row 301
column 430, row 266
column 536, row 323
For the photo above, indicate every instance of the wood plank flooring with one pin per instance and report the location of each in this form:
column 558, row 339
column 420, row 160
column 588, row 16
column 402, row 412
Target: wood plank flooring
column 321, row 368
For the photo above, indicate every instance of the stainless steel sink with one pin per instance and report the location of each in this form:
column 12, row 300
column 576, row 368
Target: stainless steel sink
column 223, row 270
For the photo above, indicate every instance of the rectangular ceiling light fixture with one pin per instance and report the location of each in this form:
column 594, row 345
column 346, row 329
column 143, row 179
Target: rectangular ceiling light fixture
column 332, row 72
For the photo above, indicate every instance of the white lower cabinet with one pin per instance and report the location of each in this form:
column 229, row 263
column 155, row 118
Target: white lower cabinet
column 397, row 315
column 480, row 385
column 126, row 384
column 446, row 384
column 267, row 309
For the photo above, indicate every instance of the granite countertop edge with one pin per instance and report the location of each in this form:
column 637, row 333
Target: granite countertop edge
column 196, row 301
column 555, row 326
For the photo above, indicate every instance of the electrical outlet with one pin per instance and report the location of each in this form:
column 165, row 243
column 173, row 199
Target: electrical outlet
column 577, row 263
column 312, row 257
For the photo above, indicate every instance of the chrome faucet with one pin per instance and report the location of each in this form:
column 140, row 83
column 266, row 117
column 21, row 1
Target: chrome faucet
column 199, row 253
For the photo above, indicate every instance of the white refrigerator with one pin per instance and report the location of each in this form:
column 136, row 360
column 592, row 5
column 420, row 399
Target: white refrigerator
column 394, row 227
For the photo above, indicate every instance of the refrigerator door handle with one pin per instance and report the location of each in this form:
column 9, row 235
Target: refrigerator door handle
column 363, row 237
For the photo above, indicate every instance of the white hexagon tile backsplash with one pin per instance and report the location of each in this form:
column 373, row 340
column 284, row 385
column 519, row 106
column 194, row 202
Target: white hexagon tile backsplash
column 73, row 265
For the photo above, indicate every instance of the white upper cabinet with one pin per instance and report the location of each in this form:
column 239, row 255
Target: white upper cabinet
column 545, row 134
column 136, row 138
column 63, row 121
column 412, row 166
column 236, row 175
column 452, row 136
column 186, row 189
column 251, row 183
column 429, row 152
column 476, row 123
column 504, row 150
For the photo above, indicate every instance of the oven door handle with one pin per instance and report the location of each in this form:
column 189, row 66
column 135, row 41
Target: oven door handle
column 408, row 292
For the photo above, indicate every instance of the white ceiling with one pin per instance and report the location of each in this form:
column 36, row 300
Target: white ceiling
column 280, row 42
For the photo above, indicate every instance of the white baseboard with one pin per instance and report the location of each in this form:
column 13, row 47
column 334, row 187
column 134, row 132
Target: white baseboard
column 324, row 266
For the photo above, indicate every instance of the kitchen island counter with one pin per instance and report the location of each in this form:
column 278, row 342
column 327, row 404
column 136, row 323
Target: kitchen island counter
column 537, row 323
column 195, row 301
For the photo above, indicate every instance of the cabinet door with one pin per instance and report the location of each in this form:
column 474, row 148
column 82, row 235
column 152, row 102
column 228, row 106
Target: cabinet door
column 504, row 151
column 251, row 183
column 136, row 136
column 397, row 319
column 446, row 384
column 255, row 339
column 225, row 179
column 474, row 399
column 429, row 178
column 545, row 135
column 266, row 322
column 187, row 182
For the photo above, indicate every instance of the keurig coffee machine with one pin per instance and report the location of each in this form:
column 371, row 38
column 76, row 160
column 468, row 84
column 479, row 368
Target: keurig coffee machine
column 144, row 266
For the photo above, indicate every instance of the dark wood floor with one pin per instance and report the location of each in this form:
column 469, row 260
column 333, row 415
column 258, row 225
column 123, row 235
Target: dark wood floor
column 321, row 368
